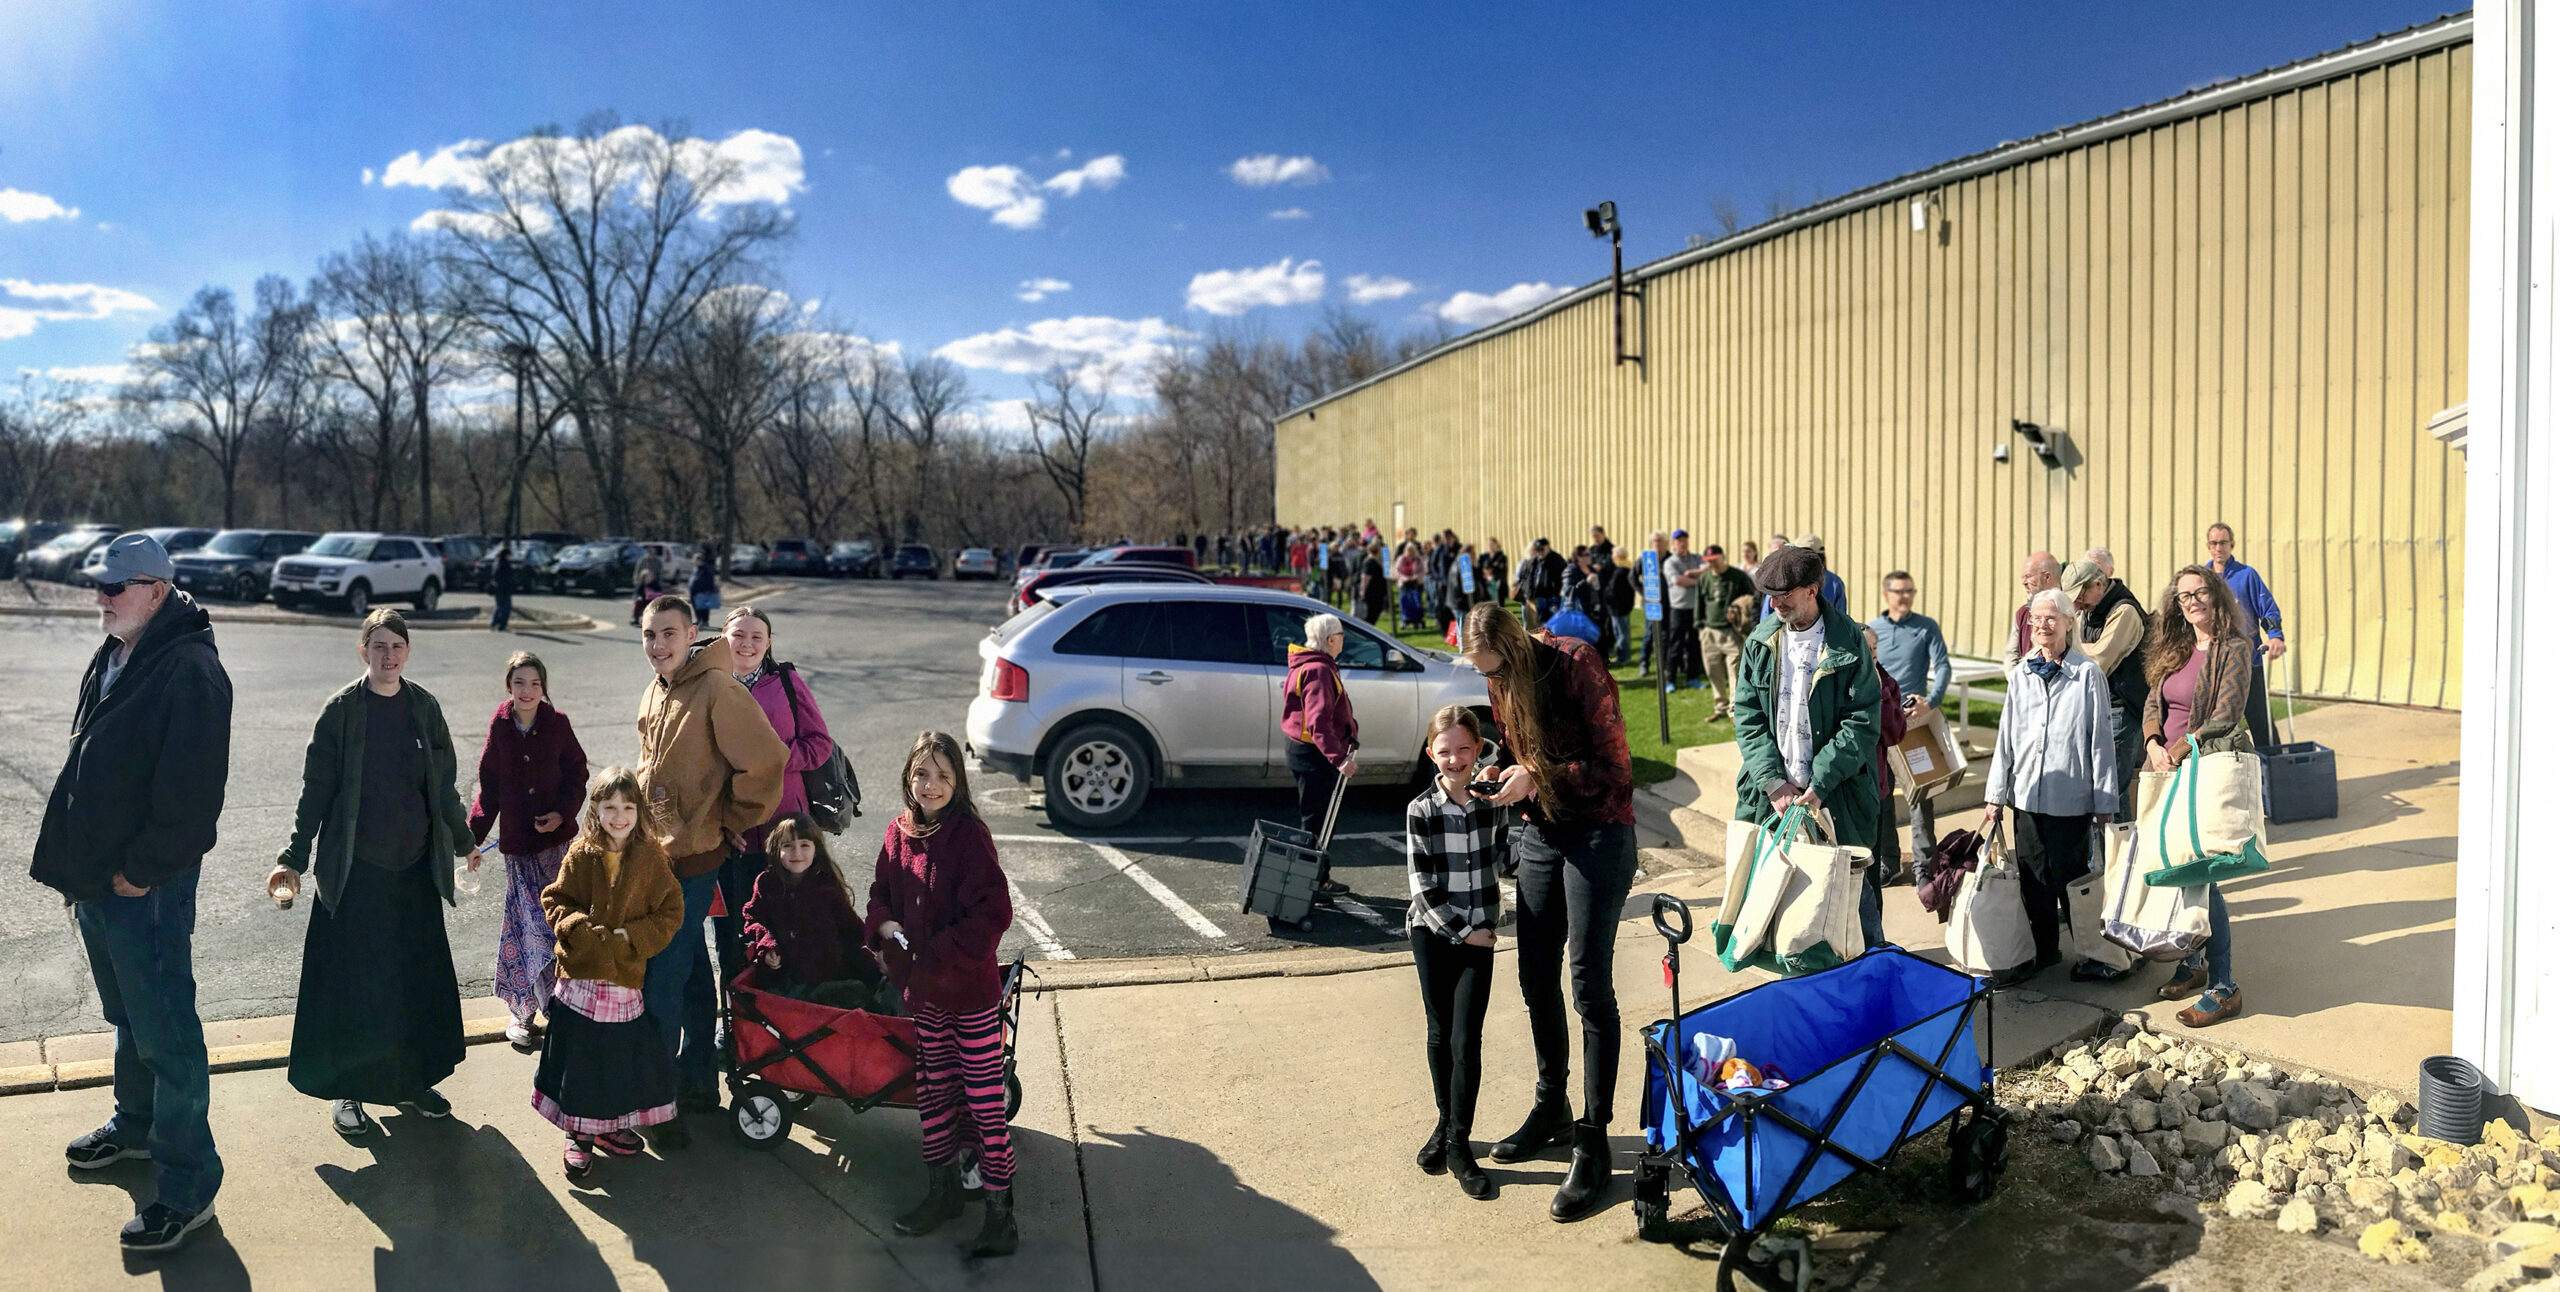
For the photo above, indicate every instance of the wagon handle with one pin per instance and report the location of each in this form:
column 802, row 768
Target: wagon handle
column 1664, row 906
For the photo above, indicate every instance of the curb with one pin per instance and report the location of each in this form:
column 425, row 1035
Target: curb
column 221, row 615
column 39, row 1078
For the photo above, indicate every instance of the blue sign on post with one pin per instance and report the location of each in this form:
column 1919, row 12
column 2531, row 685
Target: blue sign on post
column 1466, row 574
column 1652, row 565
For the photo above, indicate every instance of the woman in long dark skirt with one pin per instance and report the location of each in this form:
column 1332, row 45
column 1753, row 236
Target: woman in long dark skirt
column 378, row 1020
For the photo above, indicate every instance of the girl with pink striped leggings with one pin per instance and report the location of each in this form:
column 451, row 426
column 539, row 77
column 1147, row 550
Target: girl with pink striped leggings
column 939, row 906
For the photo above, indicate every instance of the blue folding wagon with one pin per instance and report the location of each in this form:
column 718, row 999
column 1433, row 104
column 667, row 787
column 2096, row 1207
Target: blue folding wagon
column 1880, row 1050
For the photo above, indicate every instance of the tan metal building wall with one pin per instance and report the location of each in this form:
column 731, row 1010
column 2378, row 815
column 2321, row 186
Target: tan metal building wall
column 2239, row 305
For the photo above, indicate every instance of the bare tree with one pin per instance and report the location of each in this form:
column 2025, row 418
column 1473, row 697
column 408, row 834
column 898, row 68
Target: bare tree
column 1726, row 213
column 39, row 419
column 871, row 382
column 728, row 372
column 802, row 463
column 208, row 372
column 934, row 392
column 356, row 342
column 1070, row 411
column 601, row 245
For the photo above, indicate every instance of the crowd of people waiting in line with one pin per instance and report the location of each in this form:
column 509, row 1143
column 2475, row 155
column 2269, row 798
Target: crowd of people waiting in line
column 602, row 959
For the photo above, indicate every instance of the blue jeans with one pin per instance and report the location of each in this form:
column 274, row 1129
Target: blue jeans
column 1619, row 622
column 678, row 993
column 501, row 605
column 2216, row 956
column 141, row 954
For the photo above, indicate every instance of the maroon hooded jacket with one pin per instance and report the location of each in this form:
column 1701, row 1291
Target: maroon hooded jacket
column 1313, row 706
column 524, row 774
column 809, row 922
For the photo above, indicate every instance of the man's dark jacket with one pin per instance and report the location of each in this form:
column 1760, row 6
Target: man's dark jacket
column 142, row 790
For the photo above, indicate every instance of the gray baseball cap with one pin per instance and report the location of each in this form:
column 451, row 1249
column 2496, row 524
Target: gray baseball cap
column 136, row 556
column 2080, row 574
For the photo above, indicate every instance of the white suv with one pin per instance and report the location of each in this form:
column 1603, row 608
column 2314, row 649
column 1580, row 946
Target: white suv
column 356, row 570
column 1108, row 691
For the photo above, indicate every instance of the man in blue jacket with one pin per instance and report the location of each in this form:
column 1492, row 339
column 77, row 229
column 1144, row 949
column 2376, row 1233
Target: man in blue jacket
column 131, row 818
column 2265, row 620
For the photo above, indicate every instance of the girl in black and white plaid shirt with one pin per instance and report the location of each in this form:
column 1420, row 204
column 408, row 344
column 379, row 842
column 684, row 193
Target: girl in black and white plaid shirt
column 1453, row 841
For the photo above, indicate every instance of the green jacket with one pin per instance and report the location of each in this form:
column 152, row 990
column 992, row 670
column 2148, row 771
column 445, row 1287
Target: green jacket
column 1846, row 712
column 332, row 774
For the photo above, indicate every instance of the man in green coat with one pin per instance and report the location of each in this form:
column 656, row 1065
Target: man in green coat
column 1808, row 710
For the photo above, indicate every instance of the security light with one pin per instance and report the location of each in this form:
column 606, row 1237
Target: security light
column 1601, row 220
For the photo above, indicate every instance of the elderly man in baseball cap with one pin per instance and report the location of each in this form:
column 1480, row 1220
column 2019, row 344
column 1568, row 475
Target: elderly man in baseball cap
column 129, row 822
column 2112, row 627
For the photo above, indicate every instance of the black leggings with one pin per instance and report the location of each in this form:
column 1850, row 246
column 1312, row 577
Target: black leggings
column 1457, row 985
column 1315, row 779
column 2064, row 843
column 1573, row 886
column 737, row 884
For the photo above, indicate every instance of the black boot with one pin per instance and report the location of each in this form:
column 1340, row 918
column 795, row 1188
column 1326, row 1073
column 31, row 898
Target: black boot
column 1586, row 1182
column 1433, row 1159
column 1463, row 1168
column 942, row 1201
column 1549, row 1122
column 998, row 1236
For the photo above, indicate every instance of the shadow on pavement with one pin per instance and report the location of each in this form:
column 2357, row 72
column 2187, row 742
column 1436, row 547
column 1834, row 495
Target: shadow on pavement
column 463, row 1209
column 1189, row 1221
column 208, row 1262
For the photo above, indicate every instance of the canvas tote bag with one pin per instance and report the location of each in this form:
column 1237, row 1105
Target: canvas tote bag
column 1791, row 903
column 1987, row 931
column 2155, row 923
column 2210, row 810
column 2087, row 898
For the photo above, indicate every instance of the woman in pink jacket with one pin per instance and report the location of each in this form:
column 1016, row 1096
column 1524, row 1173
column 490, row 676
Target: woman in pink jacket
column 793, row 711
column 1315, row 714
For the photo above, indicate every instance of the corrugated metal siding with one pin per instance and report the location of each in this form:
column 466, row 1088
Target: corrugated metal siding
column 2247, row 315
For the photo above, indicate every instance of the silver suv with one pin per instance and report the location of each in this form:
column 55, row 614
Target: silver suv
column 1108, row 691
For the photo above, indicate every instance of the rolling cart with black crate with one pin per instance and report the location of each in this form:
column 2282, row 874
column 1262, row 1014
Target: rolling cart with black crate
column 1281, row 863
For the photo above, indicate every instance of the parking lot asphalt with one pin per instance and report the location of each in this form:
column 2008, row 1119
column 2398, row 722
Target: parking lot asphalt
column 885, row 660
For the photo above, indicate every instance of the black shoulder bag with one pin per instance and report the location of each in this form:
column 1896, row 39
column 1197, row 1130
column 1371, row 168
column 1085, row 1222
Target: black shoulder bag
column 835, row 796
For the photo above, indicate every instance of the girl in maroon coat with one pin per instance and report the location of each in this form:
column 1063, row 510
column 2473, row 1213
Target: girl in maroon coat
column 533, row 778
column 801, row 926
column 939, row 905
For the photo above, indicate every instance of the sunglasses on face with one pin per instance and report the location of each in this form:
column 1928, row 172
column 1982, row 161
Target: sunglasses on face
column 117, row 589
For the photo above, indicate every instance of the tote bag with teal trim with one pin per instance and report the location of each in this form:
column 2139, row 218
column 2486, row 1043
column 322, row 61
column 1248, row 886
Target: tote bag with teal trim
column 1790, row 904
column 2209, row 824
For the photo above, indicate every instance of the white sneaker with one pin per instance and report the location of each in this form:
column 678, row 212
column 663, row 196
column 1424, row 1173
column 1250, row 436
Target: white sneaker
column 349, row 1119
column 520, row 1034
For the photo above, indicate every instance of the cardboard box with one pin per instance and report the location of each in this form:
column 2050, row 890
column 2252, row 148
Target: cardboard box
column 1928, row 759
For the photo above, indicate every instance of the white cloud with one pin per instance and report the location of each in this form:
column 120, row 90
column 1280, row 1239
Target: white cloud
column 1367, row 289
column 1034, row 289
column 1268, row 169
column 94, row 374
column 1090, row 342
column 1233, row 291
column 1013, row 199
column 1475, row 309
column 1290, row 213
column 25, row 305
column 18, row 206
column 748, row 166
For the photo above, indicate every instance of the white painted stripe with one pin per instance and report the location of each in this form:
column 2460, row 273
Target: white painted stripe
column 1028, row 916
column 1171, row 901
column 1351, row 905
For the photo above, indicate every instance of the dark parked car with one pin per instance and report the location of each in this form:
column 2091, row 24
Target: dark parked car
column 60, row 559
column 19, row 537
column 171, row 538
column 854, row 559
column 915, row 559
column 604, row 569
column 238, row 563
column 461, row 555
column 794, row 556
column 532, row 560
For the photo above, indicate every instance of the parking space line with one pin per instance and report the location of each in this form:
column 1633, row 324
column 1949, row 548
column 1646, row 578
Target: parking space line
column 1042, row 936
column 1171, row 900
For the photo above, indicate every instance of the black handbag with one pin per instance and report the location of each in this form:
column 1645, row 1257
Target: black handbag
column 835, row 796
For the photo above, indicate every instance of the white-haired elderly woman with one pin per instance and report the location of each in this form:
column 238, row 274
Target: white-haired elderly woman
column 1315, row 714
column 2055, row 768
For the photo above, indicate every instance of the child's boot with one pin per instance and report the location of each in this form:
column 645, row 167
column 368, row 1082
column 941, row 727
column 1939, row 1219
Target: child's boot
column 942, row 1201
column 997, row 1236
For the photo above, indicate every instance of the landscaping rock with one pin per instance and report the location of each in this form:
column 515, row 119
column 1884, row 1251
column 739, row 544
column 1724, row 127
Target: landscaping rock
column 2105, row 1155
column 2500, row 1277
column 2385, row 1154
column 2142, row 1115
column 2203, row 1137
column 2140, row 1162
column 2387, row 1106
column 2248, row 1200
column 2299, row 1217
column 2249, row 1105
column 2064, row 1131
column 2523, row 1237
column 2365, row 1193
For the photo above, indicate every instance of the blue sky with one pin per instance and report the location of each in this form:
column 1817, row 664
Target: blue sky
column 1433, row 150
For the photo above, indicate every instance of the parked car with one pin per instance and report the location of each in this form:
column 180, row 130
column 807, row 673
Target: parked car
column 1025, row 555
column 604, row 569
column 19, row 537
column 917, row 560
column 461, row 554
column 1050, row 558
column 1166, row 555
column 746, row 558
column 237, row 563
column 61, row 557
column 675, row 563
column 854, row 559
column 559, row 540
column 172, row 540
column 974, row 563
column 794, row 556
column 354, row 570
column 530, row 558
column 1048, row 582
column 1115, row 691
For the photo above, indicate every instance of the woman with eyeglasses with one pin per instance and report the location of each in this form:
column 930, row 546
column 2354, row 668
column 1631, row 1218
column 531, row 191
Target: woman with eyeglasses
column 2198, row 663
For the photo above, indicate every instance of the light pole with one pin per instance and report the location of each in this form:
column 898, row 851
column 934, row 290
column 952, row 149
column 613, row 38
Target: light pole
column 1602, row 221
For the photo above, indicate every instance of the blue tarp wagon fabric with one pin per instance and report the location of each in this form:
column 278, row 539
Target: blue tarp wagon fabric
column 1859, row 1041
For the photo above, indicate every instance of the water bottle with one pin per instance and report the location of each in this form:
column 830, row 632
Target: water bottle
column 466, row 881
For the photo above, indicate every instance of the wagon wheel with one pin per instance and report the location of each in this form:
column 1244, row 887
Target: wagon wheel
column 1012, row 1093
column 1977, row 1152
column 1768, row 1264
column 798, row 1100
column 1653, row 1204
column 761, row 1116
